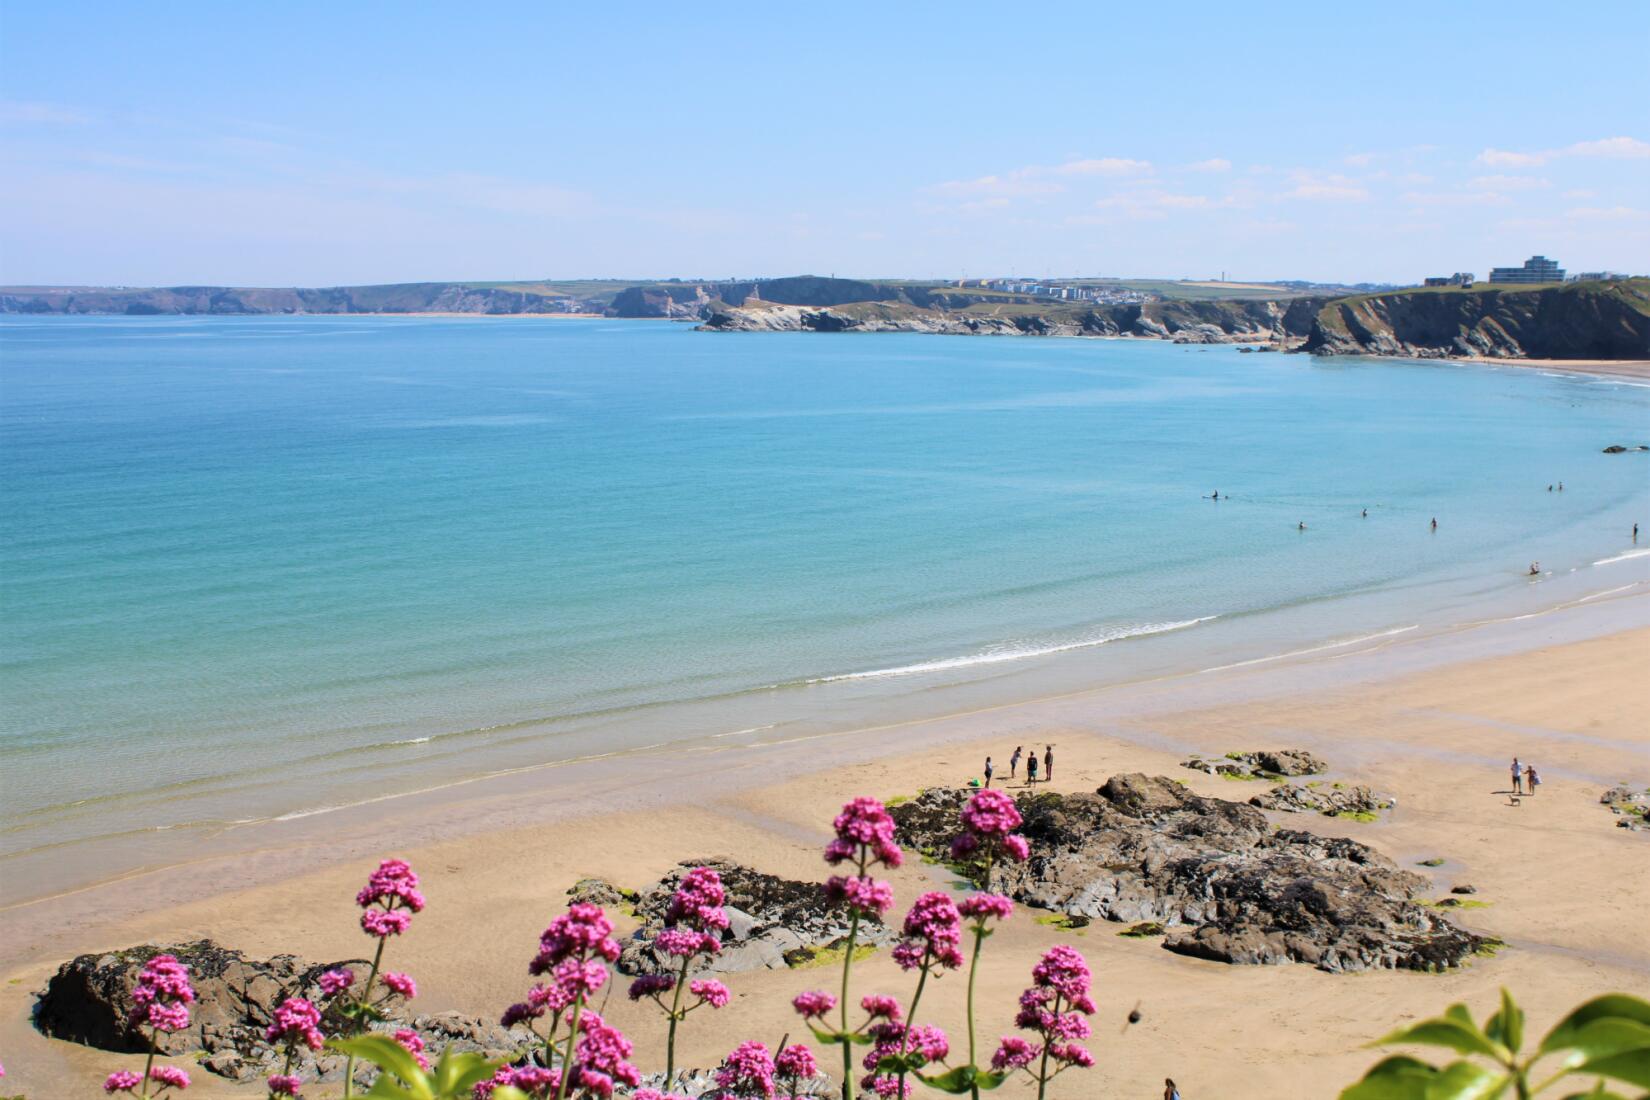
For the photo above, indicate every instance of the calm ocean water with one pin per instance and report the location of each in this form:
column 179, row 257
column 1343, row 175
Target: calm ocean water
column 263, row 566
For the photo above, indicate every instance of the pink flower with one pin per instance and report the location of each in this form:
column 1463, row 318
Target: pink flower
column 413, row 1043
column 711, row 992
column 868, row 895
column 393, row 885
column 813, row 1005
column 865, row 826
column 162, row 994
column 122, row 1080
column 985, row 907
column 582, row 931
column 795, row 1063
column 991, row 813
column 600, row 1058
column 169, row 1077
column 334, row 982
column 747, row 1071
column 1016, row 847
column 933, row 934
column 655, row 1094
column 296, row 1021
column 698, row 900
column 878, row 1007
column 1071, row 1054
column 400, row 983
column 1064, row 970
column 885, row 1086
column 384, row 923
column 928, row 1041
column 684, row 943
column 651, row 985
column 535, row 1081
column 1014, row 1053
column 285, row 1084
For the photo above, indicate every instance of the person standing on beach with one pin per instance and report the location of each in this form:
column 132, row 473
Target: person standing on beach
column 1048, row 764
column 1014, row 761
column 1171, row 1091
column 988, row 773
column 1635, row 532
column 1031, row 769
column 1531, row 780
column 1517, row 777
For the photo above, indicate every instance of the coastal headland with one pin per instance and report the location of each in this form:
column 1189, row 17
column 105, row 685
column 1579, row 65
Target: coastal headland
column 1603, row 321
column 1428, row 721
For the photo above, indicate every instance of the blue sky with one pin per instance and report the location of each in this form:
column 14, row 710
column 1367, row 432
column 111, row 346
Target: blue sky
column 316, row 144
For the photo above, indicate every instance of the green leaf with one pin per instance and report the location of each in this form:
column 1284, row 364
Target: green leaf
column 1453, row 1030
column 389, row 1056
column 955, row 1081
column 509, row 1092
column 386, row 1087
column 1468, row 1081
column 1399, row 1077
column 456, row 1074
column 1507, row 1026
column 1607, row 1038
column 1632, row 1066
column 1609, row 1006
column 1597, row 1092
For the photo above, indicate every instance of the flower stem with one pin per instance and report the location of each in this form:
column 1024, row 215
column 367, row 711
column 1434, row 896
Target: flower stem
column 675, row 1017
column 911, row 1018
column 973, row 968
column 149, row 1063
column 286, row 1066
column 567, row 1053
column 366, row 995
column 1042, row 1068
column 847, row 964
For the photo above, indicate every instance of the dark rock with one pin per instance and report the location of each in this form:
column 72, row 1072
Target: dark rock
column 598, row 891
column 1463, row 889
column 1615, row 449
column 772, row 923
column 1260, row 765
column 1323, row 800
column 1213, row 874
column 88, row 1001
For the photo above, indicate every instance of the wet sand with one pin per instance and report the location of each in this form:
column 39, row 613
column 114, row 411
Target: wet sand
column 1432, row 721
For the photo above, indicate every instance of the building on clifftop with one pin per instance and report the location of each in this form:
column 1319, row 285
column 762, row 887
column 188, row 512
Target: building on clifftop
column 1536, row 269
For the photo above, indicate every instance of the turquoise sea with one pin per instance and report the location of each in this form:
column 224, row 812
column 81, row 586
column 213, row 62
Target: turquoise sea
column 256, row 567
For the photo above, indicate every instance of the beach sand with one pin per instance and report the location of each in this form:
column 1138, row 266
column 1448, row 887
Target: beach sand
column 1621, row 368
column 1433, row 726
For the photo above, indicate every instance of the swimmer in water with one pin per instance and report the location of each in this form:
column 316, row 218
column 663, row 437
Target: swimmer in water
column 1535, row 569
column 1366, row 513
column 1301, row 526
column 1435, row 523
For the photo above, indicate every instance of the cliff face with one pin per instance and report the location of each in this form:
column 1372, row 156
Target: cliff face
column 1574, row 321
column 1199, row 322
column 394, row 298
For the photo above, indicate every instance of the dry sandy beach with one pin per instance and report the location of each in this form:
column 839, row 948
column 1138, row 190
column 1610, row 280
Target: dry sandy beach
column 1432, row 721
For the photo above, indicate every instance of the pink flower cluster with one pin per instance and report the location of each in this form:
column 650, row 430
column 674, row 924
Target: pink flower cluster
column 390, row 898
column 162, row 994
column 748, row 1071
column 1054, row 1008
column 984, row 907
column 413, row 1043
column 655, row 1094
column 334, row 982
column 581, row 932
column 540, row 999
column 600, row 1059
column 813, row 1005
column 698, row 900
column 296, row 1021
column 864, row 827
column 652, row 985
column 866, row 894
column 710, row 991
column 686, row 942
column 932, row 934
column 400, row 983
column 989, row 820
column 285, row 1084
column 795, row 1063
column 535, row 1081
column 894, row 1039
column 167, row 1077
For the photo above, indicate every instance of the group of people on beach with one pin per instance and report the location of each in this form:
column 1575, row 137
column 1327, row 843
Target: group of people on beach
column 1525, row 779
column 1031, row 765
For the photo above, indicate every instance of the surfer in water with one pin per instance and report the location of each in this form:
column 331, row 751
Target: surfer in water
column 1301, row 526
column 1366, row 513
column 1435, row 523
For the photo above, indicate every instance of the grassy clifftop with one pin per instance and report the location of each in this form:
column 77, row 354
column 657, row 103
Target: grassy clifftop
column 1594, row 320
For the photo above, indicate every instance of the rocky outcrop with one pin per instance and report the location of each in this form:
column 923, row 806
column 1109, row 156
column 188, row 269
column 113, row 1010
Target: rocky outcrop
column 1267, row 764
column 1213, row 873
column 89, row 1000
column 1334, row 801
column 1632, row 808
column 913, row 310
column 774, row 923
column 1609, row 320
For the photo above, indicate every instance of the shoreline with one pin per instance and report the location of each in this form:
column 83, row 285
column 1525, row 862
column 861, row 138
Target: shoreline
column 1426, row 718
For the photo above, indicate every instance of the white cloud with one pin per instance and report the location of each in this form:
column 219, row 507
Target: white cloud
column 1581, row 193
column 1618, row 148
column 1614, row 148
column 1102, row 166
column 1501, row 158
column 1359, row 160
column 1014, row 184
column 1605, row 214
column 1213, row 164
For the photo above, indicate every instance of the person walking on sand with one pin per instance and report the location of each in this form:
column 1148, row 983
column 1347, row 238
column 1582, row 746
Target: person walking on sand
column 1517, row 777
column 1048, row 764
column 988, row 773
column 1171, row 1091
column 1532, row 780
column 1014, row 761
column 1031, row 769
